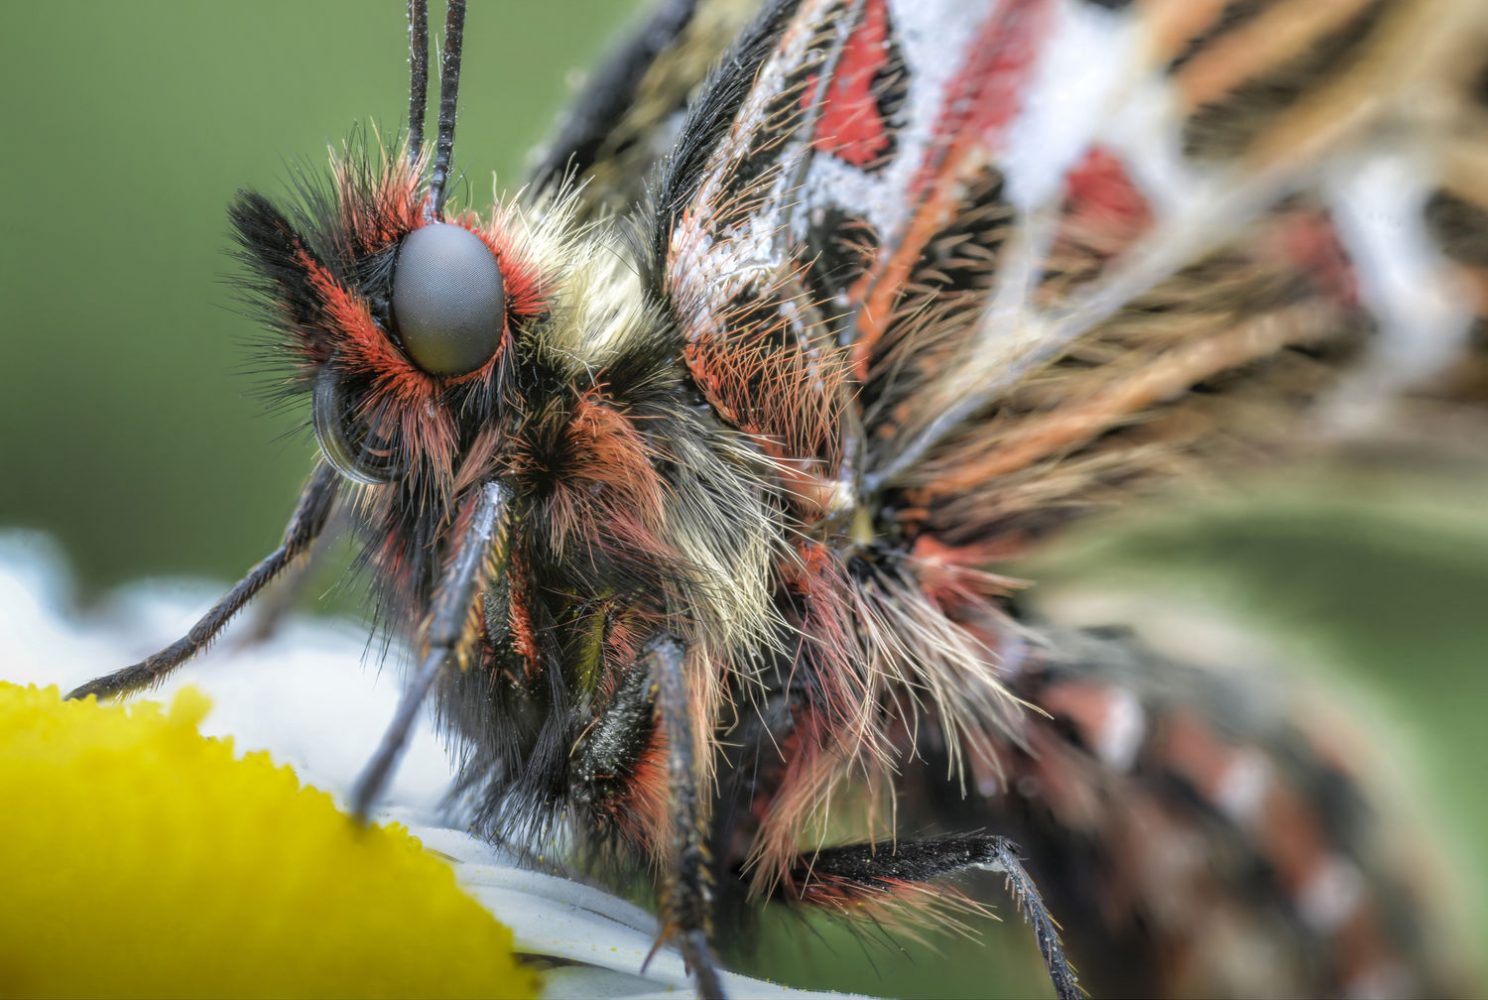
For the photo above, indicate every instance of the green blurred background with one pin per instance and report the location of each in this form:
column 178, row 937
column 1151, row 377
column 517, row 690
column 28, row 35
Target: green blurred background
column 133, row 435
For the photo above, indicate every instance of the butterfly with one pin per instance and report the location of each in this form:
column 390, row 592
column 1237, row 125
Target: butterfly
column 687, row 471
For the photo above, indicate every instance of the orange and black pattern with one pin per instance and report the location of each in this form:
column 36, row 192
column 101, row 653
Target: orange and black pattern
column 815, row 314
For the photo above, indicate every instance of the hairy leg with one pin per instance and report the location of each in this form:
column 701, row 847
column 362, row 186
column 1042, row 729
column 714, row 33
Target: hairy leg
column 477, row 554
column 861, row 878
column 309, row 519
column 687, row 888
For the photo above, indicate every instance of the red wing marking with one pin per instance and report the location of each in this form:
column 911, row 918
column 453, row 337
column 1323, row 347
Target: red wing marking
column 980, row 103
column 986, row 94
column 851, row 126
column 1311, row 242
column 1101, row 198
column 1102, row 216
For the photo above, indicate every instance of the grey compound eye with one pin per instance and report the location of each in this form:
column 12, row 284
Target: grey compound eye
column 448, row 301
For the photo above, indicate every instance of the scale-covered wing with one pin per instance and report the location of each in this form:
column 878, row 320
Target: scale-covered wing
column 964, row 270
column 979, row 252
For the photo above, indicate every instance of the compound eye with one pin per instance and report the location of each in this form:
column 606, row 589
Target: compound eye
column 448, row 301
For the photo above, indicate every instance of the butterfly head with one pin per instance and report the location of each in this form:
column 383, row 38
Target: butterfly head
column 400, row 324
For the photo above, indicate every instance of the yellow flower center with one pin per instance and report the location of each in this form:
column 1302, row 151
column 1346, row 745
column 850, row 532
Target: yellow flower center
column 138, row 857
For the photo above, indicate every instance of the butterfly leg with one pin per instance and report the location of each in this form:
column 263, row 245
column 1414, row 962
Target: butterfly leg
column 308, row 521
column 687, row 890
column 477, row 554
column 885, row 874
column 287, row 592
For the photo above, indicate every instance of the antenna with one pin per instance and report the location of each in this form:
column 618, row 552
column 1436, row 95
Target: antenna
column 418, row 75
column 449, row 90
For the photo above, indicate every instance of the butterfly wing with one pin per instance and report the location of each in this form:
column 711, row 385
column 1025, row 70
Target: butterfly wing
column 1002, row 241
column 967, row 270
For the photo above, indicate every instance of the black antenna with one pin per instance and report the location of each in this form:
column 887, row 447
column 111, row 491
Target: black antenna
column 418, row 75
column 449, row 90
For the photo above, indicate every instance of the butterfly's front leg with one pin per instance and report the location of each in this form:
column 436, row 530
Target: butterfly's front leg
column 863, row 877
column 687, row 891
column 478, row 553
column 309, row 521
column 289, row 591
